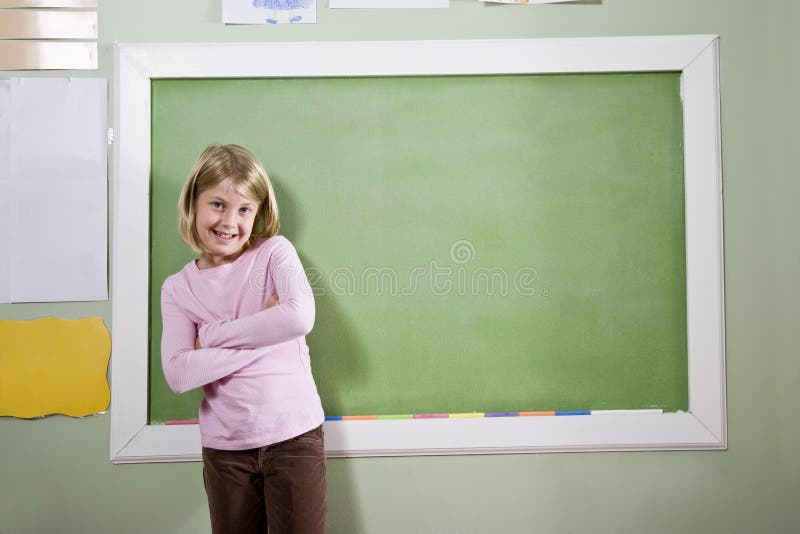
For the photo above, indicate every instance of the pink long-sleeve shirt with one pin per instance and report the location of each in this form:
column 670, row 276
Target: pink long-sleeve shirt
column 253, row 363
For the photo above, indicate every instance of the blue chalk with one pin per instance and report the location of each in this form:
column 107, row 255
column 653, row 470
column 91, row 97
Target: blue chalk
column 574, row 412
column 501, row 414
column 333, row 417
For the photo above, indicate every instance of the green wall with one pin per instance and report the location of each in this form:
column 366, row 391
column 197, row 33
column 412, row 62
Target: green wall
column 55, row 475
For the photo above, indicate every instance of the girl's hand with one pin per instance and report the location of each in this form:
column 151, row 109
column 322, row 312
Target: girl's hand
column 273, row 301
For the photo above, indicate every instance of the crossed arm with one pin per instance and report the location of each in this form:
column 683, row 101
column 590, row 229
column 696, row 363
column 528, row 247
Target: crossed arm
column 291, row 318
column 192, row 357
column 273, row 301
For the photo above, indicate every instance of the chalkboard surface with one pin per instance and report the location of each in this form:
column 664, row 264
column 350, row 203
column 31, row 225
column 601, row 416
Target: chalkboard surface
column 476, row 243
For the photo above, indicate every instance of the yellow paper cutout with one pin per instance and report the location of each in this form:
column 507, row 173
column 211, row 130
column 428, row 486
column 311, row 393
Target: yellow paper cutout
column 50, row 366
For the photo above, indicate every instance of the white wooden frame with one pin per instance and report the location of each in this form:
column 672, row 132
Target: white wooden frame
column 696, row 57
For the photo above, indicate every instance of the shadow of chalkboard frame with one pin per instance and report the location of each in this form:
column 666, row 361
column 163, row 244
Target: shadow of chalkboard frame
column 695, row 57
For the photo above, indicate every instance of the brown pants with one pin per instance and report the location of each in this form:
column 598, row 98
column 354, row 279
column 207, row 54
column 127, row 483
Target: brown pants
column 281, row 484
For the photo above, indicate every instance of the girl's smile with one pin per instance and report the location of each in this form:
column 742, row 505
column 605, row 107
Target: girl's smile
column 224, row 222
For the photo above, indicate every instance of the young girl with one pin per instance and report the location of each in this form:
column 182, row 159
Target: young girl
column 235, row 321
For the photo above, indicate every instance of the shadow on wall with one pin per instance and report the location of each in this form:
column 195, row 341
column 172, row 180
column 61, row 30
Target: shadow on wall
column 332, row 337
column 334, row 346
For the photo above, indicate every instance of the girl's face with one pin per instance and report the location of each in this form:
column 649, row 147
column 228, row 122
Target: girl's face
column 224, row 221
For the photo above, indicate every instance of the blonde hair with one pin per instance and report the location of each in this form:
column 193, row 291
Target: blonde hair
column 216, row 164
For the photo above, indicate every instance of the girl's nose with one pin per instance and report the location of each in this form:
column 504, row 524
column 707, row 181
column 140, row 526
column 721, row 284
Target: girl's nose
column 229, row 219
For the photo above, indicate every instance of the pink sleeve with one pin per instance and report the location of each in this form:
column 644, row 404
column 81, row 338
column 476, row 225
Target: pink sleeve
column 292, row 318
column 184, row 367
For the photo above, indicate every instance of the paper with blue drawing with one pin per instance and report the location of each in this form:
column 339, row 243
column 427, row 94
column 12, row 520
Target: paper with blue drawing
column 269, row 11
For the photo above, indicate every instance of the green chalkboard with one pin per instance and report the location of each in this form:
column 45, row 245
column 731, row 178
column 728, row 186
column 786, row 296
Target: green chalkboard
column 476, row 243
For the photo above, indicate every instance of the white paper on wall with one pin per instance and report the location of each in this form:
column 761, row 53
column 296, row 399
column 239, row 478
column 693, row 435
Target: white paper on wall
column 527, row 1
column 5, row 192
column 5, row 242
column 388, row 4
column 269, row 12
column 61, row 256
column 58, row 128
column 57, row 190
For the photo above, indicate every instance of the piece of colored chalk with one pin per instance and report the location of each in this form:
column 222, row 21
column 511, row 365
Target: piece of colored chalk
column 183, row 422
column 465, row 415
column 626, row 412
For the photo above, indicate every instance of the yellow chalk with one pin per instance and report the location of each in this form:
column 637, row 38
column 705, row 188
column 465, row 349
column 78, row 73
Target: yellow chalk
column 465, row 415
column 50, row 366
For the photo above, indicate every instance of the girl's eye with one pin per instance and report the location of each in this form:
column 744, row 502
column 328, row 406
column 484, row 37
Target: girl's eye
column 217, row 204
column 246, row 210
